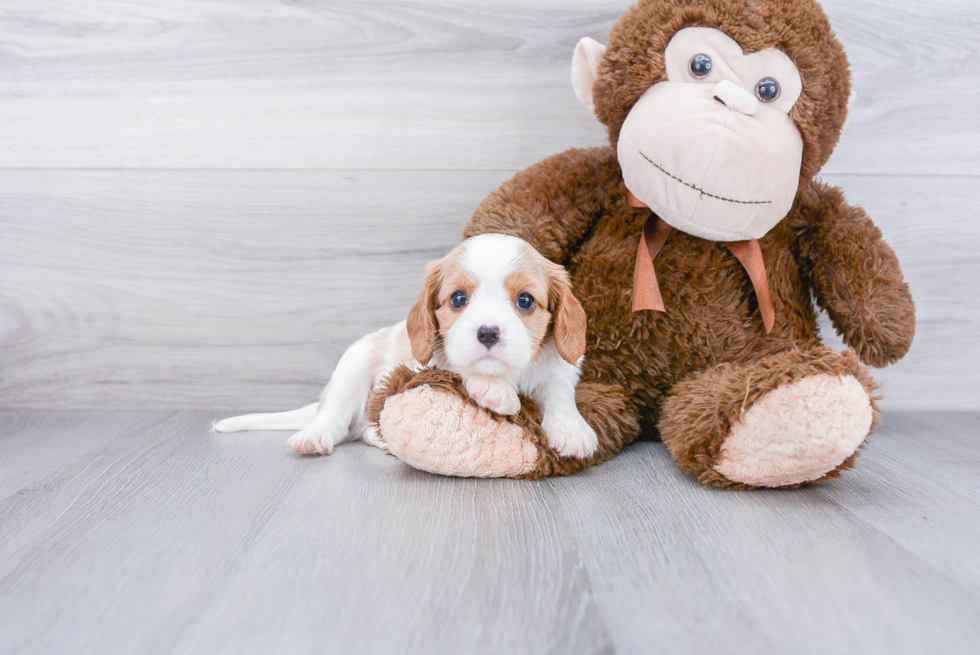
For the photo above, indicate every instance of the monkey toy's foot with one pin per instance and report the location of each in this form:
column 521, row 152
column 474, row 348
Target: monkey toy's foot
column 434, row 426
column 428, row 420
column 789, row 419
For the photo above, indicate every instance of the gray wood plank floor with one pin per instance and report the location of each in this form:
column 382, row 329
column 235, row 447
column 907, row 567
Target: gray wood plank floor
column 141, row 532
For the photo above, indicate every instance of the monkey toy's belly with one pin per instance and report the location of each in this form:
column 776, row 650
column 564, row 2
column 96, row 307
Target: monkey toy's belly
column 712, row 314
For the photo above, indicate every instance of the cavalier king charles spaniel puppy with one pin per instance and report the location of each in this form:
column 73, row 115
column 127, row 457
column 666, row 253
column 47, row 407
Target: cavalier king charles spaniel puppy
column 493, row 311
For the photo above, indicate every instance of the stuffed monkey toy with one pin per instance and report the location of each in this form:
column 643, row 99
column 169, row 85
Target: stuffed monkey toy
column 697, row 242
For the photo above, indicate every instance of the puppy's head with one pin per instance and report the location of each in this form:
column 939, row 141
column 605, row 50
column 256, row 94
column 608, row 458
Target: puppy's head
column 490, row 304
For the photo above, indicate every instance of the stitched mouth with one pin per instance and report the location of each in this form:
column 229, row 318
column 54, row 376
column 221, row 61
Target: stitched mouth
column 699, row 189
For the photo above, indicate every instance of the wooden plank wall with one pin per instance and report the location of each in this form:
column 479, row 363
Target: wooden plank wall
column 202, row 202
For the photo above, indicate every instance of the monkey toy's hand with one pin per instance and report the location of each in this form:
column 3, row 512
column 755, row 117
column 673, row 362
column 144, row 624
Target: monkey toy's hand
column 856, row 277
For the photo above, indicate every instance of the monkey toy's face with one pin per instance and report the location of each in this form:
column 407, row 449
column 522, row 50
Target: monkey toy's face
column 712, row 149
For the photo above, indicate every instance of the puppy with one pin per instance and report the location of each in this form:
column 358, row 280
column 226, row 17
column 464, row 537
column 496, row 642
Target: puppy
column 495, row 312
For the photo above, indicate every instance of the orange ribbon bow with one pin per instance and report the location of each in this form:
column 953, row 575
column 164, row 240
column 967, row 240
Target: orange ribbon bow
column 646, row 290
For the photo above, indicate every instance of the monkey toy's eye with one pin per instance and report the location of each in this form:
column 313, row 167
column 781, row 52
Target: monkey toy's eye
column 525, row 302
column 767, row 89
column 701, row 66
column 458, row 301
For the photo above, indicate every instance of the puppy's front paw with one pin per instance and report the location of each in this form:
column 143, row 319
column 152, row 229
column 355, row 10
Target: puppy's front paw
column 508, row 402
column 494, row 394
column 314, row 441
column 571, row 436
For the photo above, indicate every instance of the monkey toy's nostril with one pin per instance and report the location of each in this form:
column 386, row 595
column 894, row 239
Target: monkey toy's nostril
column 488, row 335
column 735, row 98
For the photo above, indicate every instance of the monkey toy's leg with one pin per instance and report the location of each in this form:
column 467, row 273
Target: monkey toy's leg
column 795, row 417
column 427, row 420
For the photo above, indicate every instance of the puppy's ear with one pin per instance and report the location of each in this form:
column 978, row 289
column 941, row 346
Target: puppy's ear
column 570, row 319
column 423, row 330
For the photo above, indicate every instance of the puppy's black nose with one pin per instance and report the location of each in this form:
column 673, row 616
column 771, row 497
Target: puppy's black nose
column 488, row 335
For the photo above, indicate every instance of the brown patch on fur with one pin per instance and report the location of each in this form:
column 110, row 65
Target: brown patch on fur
column 538, row 320
column 550, row 286
column 455, row 278
column 699, row 415
column 422, row 325
column 432, row 314
column 571, row 322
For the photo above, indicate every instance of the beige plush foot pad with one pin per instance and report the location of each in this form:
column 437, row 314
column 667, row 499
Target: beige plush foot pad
column 798, row 432
column 441, row 433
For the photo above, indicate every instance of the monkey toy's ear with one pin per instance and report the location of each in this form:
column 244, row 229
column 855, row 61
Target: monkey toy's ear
column 585, row 64
column 850, row 109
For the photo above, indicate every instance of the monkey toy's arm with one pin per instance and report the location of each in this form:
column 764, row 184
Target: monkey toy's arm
column 855, row 276
column 553, row 203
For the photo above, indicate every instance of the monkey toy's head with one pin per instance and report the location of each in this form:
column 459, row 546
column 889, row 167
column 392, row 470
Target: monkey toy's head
column 718, row 108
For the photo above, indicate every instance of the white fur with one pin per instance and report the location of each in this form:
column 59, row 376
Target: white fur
column 493, row 376
column 490, row 258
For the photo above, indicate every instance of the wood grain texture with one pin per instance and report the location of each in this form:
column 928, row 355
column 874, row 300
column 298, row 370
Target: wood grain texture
column 203, row 203
column 204, row 289
column 779, row 571
column 440, row 84
column 170, row 281
column 934, row 226
column 125, row 532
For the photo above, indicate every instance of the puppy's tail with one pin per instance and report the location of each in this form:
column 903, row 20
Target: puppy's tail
column 295, row 419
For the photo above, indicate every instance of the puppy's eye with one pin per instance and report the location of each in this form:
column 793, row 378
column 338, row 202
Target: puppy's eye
column 767, row 89
column 701, row 66
column 525, row 302
column 458, row 301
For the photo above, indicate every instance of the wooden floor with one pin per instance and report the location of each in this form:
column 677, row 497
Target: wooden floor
column 129, row 532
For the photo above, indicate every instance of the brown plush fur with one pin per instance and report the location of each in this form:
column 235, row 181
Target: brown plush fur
column 700, row 412
column 688, row 369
